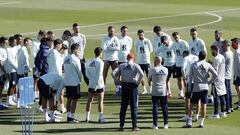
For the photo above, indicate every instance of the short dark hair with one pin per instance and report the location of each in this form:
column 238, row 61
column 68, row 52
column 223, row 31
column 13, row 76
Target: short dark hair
column 187, row 52
column 110, row 27
column 67, row 32
column 213, row 47
column 218, row 31
column 50, row 32
column 11, row 38
column 57, row 41
column 26, row 39
column 18, row 36
column 123, row 27
column 45, row 40
column 157, row 28
column 2, row 39
column 140, row 31
column 235, row 40
column 98, row 51
column 175, row 34
column 75, row 25
column 193, row 29
column 74, row 47
column 202, row 55
column 42, row 33
column 163, row 38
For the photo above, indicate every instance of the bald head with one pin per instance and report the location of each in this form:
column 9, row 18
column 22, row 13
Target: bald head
column 157, row 60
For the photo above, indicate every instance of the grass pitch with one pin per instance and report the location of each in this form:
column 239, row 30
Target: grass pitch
column 27, row 17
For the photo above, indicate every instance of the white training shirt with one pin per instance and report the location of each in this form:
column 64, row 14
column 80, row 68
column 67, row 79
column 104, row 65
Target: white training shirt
column 158, row 76
column 55, row 62
column 95, row 74
column 199, row 76
column 72, row 70
column 125, row 48
column 219, row 66
column 111, row 46
column 178, row 48
column 79, row 39
column 3, row 58
column 167, row 54
column 11, row 63
column 55, row 81
column 156, row 41
column 236, row 63
column 196, row 46
column 228, row 55
column 143, row 49
column 34, row 50
column 23, row 61
column 187, row 62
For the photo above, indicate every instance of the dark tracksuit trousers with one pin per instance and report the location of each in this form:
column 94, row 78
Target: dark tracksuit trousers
column 156, row 101
column 129, row 95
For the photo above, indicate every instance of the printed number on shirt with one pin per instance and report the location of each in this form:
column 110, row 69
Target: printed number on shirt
column 124, row 47
column 169, row 53
column 142, row 49
column 178, row 52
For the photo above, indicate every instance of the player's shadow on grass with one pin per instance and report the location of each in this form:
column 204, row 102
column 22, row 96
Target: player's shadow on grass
column 75, row 130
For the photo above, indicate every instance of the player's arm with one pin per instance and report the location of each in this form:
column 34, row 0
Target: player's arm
column 214, row 74
column 190, row 78
column 140, row 73
column 116, row 74
column 150, row 46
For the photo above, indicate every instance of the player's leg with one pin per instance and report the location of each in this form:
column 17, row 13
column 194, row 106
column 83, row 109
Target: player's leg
column 134, row 107
column 105, row 70
column 62, row 107
column 155, row 104
column 100, row 95
column 124, row 104
column 164, row 105
column 89, row 104
column 83, row 69
column 204, row 100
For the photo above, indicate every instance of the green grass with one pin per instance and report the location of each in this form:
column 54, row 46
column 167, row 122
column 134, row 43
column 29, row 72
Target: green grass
column 57, row 15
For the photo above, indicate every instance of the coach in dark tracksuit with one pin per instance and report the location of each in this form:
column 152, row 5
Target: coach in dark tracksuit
column 131, row 76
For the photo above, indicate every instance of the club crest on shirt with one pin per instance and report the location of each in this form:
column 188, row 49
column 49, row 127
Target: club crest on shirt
column 67, row 61
column 92, row 64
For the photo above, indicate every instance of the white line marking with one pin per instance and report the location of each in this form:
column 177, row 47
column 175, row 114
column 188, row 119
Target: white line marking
column 150, row 18
column 219, row 18
column 9, row 3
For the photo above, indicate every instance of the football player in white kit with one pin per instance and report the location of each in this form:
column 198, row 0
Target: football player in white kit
column 179, row 46
column 196, row 44
column 111, row 46
column 156, row 41
column 143, row 49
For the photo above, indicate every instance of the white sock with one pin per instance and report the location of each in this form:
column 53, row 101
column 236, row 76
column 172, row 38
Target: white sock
column 68, row 114
column 87, row 115
column 190, row 121
column 100, row 115
column 202, row 121
column 144, row 88
column 52, row 114
column 186, row 116
column 62, row 105
column 45, row 113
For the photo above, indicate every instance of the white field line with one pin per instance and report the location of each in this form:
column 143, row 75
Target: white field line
column 219, row 18
column 150, row 18
column 9, row 3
